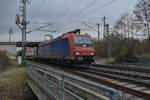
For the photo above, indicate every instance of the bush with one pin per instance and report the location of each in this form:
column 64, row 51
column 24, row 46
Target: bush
column 4, row 60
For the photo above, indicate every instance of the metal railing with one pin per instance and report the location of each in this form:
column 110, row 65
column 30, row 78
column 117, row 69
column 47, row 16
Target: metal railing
column 60, row 85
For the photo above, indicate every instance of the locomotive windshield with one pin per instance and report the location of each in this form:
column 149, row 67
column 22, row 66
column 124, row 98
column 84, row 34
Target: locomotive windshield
column 80, row 40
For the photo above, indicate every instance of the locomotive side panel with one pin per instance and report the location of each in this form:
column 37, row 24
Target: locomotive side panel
column 60, row 48
column 65, row 48
column 57, row 49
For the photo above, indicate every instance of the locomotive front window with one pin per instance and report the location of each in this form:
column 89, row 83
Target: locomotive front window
column 80, row 40
column 87, row 40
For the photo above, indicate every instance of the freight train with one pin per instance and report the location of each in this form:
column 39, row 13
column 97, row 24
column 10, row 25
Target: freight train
column 71, row 47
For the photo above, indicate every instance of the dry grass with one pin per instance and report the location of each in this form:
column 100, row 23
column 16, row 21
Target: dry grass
column 13, row 85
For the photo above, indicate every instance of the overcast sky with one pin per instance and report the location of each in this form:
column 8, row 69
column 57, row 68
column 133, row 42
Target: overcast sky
column 65, row 15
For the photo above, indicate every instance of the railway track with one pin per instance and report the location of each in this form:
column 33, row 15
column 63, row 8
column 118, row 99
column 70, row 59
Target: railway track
column 133, row 81
column 142, row 76
column 133, row 89
column 145, row 70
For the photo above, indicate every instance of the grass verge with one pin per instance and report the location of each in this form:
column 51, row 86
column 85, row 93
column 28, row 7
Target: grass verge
column 13, row 85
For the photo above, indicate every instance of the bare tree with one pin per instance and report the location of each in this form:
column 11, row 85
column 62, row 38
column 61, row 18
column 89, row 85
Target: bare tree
column 127, row 26
column 142, row 14
column 126, row 29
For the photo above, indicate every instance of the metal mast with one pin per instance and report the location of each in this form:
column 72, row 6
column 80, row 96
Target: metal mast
column 104, row 23
column 22, row 25
column 98, row 37
column 23, row 30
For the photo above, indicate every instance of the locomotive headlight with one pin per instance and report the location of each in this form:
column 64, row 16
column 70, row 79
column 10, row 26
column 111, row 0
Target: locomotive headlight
column 91, row 53
column 77, row 53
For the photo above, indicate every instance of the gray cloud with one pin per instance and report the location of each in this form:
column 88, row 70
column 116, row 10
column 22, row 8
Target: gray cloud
column 7, row 16
column 59, row 12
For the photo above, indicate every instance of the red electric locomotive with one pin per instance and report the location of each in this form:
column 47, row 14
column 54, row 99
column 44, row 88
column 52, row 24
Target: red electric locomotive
column 71, row 47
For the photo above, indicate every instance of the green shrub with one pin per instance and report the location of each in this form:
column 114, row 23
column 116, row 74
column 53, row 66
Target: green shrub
column 4, row 60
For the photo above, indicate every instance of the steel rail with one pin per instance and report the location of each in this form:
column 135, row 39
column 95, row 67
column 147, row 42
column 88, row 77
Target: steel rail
column 121, row 78
column 107, row 82
column 141, row 76
column 128, row 68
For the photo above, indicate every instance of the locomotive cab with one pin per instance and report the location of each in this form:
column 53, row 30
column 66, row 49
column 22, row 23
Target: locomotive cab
column 83, row 48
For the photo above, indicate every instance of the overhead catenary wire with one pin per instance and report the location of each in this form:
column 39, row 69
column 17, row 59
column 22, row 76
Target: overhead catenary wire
column 89, row 26
column 39, row 28
column 79, row 12
column 74, row 4
column 86, row 7
column 35, row 8
column 68, row 10
column 94, row 10
column 89, row 13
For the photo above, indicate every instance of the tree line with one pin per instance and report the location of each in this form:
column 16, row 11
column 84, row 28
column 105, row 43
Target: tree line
column 129, row 37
